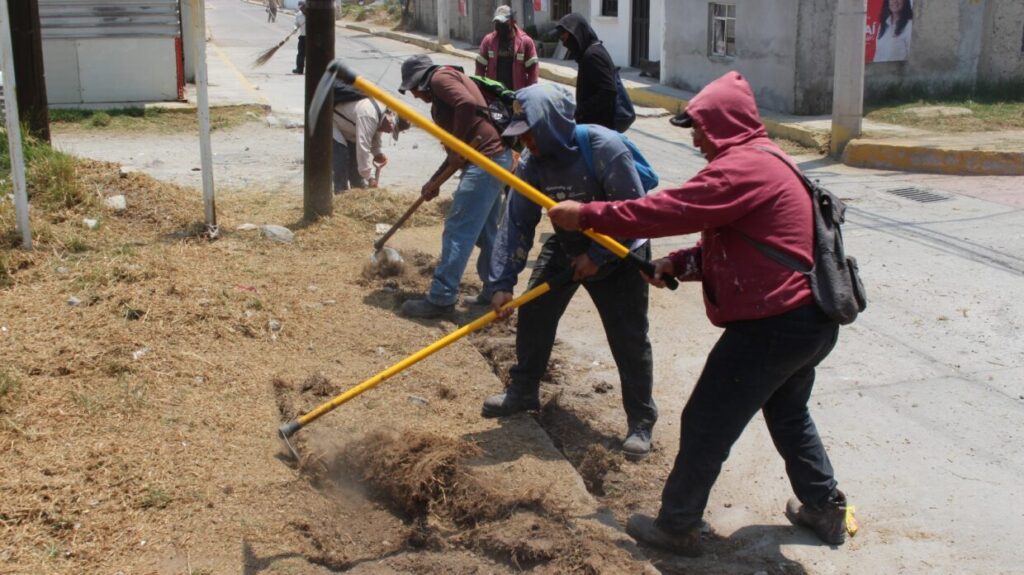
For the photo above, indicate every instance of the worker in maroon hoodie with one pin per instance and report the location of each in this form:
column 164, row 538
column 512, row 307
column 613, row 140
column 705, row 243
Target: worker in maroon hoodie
column 775, row 335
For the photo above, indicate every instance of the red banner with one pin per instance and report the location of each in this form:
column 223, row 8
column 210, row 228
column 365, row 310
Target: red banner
column 462, row 7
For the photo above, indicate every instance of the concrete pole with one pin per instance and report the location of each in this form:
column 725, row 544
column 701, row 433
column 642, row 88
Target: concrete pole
column 14, row 128
column 443, row 25
column 848, row 88
column 203, row 101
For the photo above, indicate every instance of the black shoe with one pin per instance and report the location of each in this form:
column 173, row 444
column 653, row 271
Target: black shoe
column 637, row 444
column 827, row 522
column 645, row 530
column 297, row 71
column 423, row 309
column 509, row 403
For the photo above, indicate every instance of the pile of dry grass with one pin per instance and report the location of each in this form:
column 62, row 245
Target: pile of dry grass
column 380, row 206
column 425, row 475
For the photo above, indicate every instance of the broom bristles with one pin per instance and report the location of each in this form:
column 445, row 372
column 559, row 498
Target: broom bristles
column 266, row 55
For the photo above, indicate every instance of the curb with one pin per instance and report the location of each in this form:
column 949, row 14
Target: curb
column 919, row 157
column 904, row 156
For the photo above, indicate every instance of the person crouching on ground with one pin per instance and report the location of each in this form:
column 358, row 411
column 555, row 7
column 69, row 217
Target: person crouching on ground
column 472, row 219
column 775, row 335
column 358, row 127
column 554, row 165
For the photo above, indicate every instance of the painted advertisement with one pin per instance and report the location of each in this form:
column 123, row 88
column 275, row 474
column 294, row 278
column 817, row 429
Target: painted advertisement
column 889, row 27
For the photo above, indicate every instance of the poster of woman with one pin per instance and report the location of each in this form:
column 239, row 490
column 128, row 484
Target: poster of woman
column 889, row 26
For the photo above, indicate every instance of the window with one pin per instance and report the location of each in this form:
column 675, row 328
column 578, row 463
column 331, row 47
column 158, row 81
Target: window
column 609, row 7
column 722, row 29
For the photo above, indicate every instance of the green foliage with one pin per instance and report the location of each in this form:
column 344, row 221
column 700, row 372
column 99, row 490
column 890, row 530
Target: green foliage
column 49, row 174
column 100, row 120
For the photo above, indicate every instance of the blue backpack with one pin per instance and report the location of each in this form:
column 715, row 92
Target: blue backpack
column 648, row 177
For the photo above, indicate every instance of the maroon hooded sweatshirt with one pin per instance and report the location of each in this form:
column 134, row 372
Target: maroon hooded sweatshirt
column 742, row 191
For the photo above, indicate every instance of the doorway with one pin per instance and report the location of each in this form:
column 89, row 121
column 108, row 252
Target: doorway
column 640, row 28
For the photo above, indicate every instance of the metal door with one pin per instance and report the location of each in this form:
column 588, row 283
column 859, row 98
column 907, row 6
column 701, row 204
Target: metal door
column 640, row 37
column 560, row 8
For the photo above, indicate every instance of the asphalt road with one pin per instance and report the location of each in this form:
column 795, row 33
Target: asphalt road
column 921, row 404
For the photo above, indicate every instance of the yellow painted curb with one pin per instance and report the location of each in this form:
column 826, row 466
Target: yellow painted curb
column 919, row 157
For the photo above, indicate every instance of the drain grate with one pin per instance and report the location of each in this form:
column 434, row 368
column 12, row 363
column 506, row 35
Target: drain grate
column 918, row 195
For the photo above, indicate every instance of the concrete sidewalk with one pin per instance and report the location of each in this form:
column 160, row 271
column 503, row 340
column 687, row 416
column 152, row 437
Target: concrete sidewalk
column 883, row 146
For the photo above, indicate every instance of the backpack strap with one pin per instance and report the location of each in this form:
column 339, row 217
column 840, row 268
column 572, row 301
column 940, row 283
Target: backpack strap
column 773, row 253
column 583, row 141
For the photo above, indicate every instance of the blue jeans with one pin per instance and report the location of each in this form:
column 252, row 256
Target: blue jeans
column 472, row 220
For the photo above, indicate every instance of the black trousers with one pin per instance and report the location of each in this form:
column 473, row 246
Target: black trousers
column 300, row 58
column 346, row 167
column 620, row 295
column 768, row 365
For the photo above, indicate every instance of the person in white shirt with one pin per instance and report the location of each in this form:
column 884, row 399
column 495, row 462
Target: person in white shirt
column 358, row 126
column 897, row 21
column 300, row 23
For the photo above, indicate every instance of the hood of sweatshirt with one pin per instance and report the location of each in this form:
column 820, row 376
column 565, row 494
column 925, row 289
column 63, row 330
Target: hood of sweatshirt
column 578, row 27
column 549, row 110
column 727, row 112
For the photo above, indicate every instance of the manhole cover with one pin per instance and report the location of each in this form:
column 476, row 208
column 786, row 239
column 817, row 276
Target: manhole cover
column 918, row 195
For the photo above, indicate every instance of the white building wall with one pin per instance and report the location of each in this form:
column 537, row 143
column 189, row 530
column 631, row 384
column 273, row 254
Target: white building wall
column 766, row 39
column 657, row 29
column 615, row 31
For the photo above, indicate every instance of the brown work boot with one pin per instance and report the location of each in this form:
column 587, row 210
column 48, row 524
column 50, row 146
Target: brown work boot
column 645, row 530
column 827, row 522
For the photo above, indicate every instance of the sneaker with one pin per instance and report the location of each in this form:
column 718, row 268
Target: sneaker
column 637, row 444
column 828, row 522
column 423, row 309
column 645, row 530
column 509, row 403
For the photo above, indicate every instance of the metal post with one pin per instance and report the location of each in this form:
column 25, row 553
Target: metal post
column 848, row 76
column 443, row 26
column 318, row 189
column 14, row 129
column 203, row 100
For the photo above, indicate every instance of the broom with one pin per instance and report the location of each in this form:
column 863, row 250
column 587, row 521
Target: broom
column 266, row 55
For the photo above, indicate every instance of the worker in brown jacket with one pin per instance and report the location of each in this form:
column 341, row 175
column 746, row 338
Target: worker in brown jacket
column 458, row 106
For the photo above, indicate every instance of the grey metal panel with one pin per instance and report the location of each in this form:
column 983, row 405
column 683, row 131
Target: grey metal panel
column 78, row 19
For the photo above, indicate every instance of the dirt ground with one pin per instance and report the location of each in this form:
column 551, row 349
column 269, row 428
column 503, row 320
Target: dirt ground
column 140, row 436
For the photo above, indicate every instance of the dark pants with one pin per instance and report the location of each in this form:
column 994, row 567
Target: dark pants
column 346, row 167
column 620, row 295
column 300, row 58
column 766, row 365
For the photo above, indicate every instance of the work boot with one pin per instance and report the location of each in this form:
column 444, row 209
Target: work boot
column 645, row 530
column 828, row 522
column 423, row 309
column 637, row 444
column 510, row 403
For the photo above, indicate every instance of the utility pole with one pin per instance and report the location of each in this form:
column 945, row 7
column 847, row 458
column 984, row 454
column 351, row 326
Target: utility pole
column 318, row 189
column 848, row 74
column 28, row 66
column 443, row 27
column 14, row 129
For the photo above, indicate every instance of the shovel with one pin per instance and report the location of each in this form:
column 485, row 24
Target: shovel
column 339, row 69
column 288, row 429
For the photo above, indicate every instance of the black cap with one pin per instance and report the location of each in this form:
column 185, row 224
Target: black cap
column 683, row 120
column 414, row 70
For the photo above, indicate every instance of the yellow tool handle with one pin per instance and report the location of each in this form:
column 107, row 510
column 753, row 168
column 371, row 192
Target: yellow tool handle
column 348, row 76
column 290, row 428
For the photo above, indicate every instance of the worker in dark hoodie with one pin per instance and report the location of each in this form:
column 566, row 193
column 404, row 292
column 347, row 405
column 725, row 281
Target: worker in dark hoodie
column 595, row 79
column 554, row 165
column 775, row 335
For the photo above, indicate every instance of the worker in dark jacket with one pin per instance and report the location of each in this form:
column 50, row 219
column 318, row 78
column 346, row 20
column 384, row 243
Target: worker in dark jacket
column 775, row 334
column 595, row 79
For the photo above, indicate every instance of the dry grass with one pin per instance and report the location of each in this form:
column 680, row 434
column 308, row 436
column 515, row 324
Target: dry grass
column 158, row 120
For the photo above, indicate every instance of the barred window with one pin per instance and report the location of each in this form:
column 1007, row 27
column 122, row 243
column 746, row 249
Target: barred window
column 609, row 7
column 722, row 29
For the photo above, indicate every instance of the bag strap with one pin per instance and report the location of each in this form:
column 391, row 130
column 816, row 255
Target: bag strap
column 770, row 252
column 583, row 141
